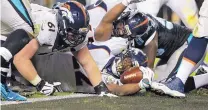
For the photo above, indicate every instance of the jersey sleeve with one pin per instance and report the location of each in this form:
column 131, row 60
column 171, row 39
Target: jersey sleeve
column 36, row 8
column 115, row 44
column 109, row 79
column 48, row 29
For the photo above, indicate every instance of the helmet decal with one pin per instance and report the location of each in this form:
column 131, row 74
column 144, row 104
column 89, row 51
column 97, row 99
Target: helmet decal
column 142, row 23
column 83, row 10
column 66, row 13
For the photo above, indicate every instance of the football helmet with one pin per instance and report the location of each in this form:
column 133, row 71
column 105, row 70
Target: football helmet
column 135, row 25
column 73, row 22
column 127, row 59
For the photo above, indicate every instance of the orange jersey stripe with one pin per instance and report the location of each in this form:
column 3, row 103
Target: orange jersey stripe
column 188, row 60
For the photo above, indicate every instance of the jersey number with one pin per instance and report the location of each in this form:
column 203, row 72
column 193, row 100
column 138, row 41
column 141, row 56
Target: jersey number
column 51, row 27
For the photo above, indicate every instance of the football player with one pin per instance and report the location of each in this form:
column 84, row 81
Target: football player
column 192, row 55
column 157, row 37
column 16, row 16
column 113, row 66
column 62, row 29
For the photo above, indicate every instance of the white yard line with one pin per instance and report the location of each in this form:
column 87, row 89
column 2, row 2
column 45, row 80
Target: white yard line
column 51, row 98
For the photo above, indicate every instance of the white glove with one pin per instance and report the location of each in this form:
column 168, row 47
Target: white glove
column 148, row 75
column 49, row 89
column 127, row 2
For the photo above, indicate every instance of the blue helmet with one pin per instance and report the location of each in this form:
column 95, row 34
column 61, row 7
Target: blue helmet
column 141, row 28
column 72, row 18
column 136, row 25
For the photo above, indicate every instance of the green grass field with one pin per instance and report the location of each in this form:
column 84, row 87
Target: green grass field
column 196, row 100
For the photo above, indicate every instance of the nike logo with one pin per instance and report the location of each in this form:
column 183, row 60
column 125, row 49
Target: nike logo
column 10, row 97
column 45, row 90
column 95, row 5
column 42, row 27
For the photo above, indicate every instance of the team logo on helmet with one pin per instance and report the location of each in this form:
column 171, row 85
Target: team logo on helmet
column 66, row 6
column 66, row 13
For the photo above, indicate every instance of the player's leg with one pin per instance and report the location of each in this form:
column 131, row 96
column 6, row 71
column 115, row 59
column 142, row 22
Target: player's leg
column 169, row 67
column 194, row 52
column 194, row 82
column 14, row 42
column 186, row 9
column 153, row 6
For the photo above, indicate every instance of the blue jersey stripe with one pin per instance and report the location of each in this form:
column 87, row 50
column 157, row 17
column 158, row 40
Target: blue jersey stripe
column 189, row 38
column 92, row 46
column 21, row 9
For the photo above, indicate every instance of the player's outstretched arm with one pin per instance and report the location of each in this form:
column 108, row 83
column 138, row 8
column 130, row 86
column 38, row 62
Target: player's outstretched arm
column 126, row 89
column 116, row 11
column 131, row 88
column 94, row 75
column 151, row 51
column 23, row 63
column 85, row 59
column 104, row 29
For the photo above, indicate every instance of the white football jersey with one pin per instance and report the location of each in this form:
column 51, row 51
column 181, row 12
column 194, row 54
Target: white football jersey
column 46, row 26
column 102, row 54
column 108, row 62
column 116, row 44
column 96, row 15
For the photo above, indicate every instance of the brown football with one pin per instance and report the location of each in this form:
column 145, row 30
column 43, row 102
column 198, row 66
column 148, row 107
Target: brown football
column 132, row 75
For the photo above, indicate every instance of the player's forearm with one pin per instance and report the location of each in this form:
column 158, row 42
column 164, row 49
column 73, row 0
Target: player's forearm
column 23, row 63
column 126, row 89
column 151, row 51
column 85, row 59
column 93, row 73
column 114, row 13
column 26, row 68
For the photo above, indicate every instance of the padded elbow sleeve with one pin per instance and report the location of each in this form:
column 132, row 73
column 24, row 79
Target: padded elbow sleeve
column 16, row 41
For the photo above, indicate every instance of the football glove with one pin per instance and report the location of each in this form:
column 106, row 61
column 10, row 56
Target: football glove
column 148, row 75
column 47, row 88
column 102, row 90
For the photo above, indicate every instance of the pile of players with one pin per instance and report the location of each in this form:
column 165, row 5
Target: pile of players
column 123, row 36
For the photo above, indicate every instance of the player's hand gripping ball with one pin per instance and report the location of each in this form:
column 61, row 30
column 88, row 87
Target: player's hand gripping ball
column 132, row 75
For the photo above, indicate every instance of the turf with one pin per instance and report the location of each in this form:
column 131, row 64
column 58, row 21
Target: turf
column 39, row 95
column 194, row 100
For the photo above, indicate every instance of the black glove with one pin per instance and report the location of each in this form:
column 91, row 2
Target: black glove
column 102, row 90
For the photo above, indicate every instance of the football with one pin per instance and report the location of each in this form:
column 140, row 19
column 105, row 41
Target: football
column 132, row 75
